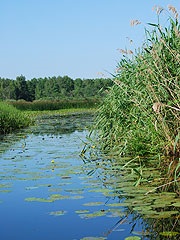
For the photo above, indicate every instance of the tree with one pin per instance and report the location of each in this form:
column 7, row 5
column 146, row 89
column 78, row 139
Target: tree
column 22, row 88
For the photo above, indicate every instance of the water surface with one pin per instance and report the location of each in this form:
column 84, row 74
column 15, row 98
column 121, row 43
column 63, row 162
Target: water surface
column 48, row 192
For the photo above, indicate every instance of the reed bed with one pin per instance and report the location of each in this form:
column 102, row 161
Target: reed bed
column 141, row 113
column 12, row 119
column 43, row 105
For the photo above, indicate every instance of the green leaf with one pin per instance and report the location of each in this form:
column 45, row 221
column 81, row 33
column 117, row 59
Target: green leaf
column 133, row 238
column 57, row 213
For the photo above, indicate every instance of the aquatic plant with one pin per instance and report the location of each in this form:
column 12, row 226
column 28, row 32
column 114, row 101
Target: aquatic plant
column 141, row 114
column 12, row 119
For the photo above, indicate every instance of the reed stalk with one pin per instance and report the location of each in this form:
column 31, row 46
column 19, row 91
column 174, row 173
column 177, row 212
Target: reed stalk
column 141, row 114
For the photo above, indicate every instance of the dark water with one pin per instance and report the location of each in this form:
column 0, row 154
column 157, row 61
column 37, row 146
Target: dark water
column 48, row 192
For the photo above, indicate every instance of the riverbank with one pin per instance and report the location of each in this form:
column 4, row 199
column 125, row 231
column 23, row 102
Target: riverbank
column 12, row 119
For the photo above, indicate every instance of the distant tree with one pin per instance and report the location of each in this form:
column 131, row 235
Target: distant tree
column 67, row 85
column 78, row 90
column 31, row 85
column 39, row 90
column 7, row 89
column 52, row 88
column 22, row 88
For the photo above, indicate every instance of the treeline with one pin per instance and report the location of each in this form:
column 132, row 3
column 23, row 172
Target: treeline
column 54, row 88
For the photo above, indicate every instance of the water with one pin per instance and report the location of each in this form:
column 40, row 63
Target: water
column 48, row 192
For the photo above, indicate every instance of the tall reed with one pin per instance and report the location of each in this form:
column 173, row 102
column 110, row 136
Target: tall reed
column 141, row 114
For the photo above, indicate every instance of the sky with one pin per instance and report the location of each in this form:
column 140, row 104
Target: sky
column 77, row 38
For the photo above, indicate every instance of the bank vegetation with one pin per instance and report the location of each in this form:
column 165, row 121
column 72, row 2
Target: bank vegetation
column 141, row 114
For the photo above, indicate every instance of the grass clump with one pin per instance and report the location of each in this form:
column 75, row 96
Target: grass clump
column 141, row 114
column 12, row 119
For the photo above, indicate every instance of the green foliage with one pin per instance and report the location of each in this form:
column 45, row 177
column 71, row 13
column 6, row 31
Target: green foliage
column 52, row 88
column 12, row 119
column 41, row 105
column 141, row 114
column 7, row 89
column 22, row 88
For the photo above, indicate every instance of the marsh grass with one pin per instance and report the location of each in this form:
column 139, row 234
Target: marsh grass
column 43, row 105
column 12, row 119
column 141, row 114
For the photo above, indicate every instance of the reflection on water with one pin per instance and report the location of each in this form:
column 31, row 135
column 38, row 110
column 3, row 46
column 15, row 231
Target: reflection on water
column 48, row 192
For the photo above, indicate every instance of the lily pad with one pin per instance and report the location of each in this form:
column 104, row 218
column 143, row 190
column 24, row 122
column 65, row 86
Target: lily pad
column 58, row 213
column 77, row 197
column 133, row 238
column 81, row 211
column 55, row 197
column 93, row 215
column 104, row 190
column 123, row 204
column 93, row 238
column 93, row 204
column 34, row 199
column 74, row 191
column 5, row 191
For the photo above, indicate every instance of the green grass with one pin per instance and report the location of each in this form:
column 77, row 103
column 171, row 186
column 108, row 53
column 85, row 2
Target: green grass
column 12, row 119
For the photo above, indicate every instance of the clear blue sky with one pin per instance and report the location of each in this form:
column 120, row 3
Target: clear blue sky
column 78, row 38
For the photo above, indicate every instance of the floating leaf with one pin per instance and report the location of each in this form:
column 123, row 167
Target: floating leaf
column 77, row 197
column 81, row 211
column 93, row 238
column 93, row 204
column 74, row 191
column 123, row 204
column 104, row 190
column 5, row 191
column 55, row 189
column 55, row 197
column 5, row 186
column 133, row 238
column 93, row 215
column 58, row 213
column 34, row 199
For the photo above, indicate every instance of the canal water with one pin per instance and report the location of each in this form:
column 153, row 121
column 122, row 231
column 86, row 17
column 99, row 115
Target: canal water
column 48, row 190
